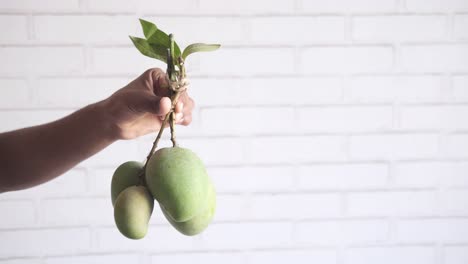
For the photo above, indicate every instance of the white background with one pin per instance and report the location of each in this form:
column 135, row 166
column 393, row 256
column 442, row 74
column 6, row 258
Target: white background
column 336, row 131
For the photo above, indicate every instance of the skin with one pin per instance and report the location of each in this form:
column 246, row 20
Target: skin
column 34, row 155
column 183, row 189
column 133, row 209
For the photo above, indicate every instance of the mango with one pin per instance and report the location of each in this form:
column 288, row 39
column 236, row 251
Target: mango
column 125, row 175
column 178, row 180
column 132, row 211
column 199, row 222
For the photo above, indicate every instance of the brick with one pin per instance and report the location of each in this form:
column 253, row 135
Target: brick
column 76, row 92
column 434, row 58
column 401, row 203
column 322, row 256
column 269, row 150
column 455, row 202
column 267, row 61
column 247, row 7
column 455, row 146
column 179, row 7
column 17, row 214
column 431, row 174
column 77, row 211
column 32, row 5
column 455, row 254
column 208, row 257
column 41, row 60
column 343, row 6
column 342, row 176
column 387, row 255
column 265, row 91
column 122, row 6
column 112, row 6
column 188, row 30
column 432, row 230
column 414, row 88
column 364, row 59
column 14, row 28
column 121, row 60
column 18, row 119
column 219, row 92
column 434, row 117
column 252, row 179
column 109, row 239
column 294, row 206
column 296, row 90
column 95, row 259
column 393, row 146
column 247, row 235
column 209, row 150
column 22, row 261
column 15, row 93
column 84, row 29
column 436, row 5
column 100, row 181
column 347, row 232
column 460, row 26
column 398, row 28
column 230, row 207
column 344, row 118
column 460, row 88
column 37, row 242
column 247, row 120
column 326, row 29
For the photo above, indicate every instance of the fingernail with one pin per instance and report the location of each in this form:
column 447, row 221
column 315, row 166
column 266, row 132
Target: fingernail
column 179, row 116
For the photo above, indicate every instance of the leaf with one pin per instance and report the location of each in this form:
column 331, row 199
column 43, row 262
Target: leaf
column 153, row 51
column 148, row 28
column 199, row 47
column 161, row 38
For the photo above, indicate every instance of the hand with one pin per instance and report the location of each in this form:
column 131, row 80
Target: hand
column 140, row 107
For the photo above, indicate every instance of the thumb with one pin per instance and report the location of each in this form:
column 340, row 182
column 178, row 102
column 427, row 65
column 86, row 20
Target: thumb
column 158, row 105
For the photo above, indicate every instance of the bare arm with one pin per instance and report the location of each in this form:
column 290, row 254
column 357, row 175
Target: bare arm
column 34, row 155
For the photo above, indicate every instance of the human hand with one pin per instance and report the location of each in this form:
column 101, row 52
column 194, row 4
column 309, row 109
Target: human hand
column 140, row 107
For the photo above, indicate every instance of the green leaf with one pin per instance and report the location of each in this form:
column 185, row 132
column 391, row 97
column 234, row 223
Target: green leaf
column 161, row 38
column 199, row 47
column 148, row 28
column 158, row 52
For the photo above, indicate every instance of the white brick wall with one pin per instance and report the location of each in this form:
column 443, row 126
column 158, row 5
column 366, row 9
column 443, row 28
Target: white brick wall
column 335, row 131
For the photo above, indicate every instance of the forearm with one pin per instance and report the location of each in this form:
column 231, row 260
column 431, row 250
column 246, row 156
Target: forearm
column 34, row 155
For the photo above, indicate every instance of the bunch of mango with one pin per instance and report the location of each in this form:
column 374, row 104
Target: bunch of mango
column 177, row 179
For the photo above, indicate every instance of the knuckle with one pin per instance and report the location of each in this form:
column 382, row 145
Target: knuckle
column 187, row 120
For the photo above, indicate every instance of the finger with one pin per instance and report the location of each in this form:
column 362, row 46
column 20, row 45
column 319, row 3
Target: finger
column 187, row 120
column 191, row 104
column 179, row 107
column 160, row 105
column 188, row 102
column 178, row 118
column 150, row 78
column 161, row 84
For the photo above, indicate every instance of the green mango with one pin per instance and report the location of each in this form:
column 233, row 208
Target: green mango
column 199, row 222
column 178, row 180
column 125, row 175
column 132, row 211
